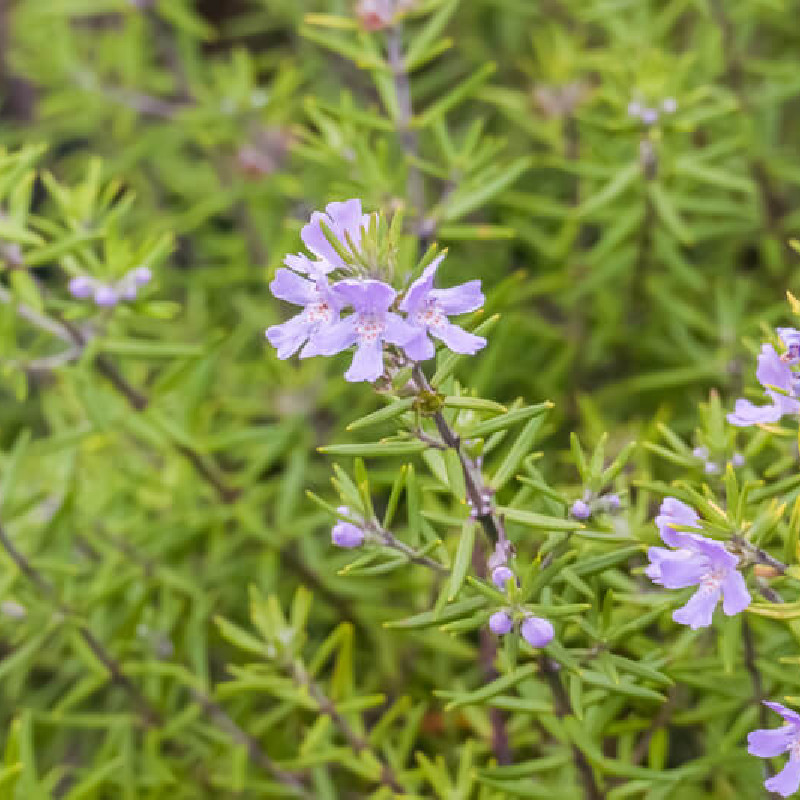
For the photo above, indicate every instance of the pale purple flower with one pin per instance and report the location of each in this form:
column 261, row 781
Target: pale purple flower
column 537, row 632
column 501, row 575
column 346, row 534
column 501, row 623
column 772, row 372
column 611, row 503
column 105, row 296
column 428, row 310
column 696, row 561
column 81, row 287
column 368, row 327
column 343, row 220
column 700, row 452
column 670, row 105
column 775, row 741
column 580, row 510
column 141, row 276
column 309, row 328
column 649, row 116
column 738, row 460
column 711, row 468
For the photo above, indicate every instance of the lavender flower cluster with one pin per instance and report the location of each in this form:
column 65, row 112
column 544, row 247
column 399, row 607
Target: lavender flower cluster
column 781, row 383
column 108, row 295
column 375, row 322
column 649, row 115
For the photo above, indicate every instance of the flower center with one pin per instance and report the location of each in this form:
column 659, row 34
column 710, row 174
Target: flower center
column 713, row 580
column 430, row 317
column 370, row 327
column 319, row 312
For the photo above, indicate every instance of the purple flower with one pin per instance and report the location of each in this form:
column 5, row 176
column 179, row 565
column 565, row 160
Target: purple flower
column 343, row 220
column 368, row 327
column 791, row 341
column 346, row 534
column 611, row 503
column 670, row 105
column 738, row 460
column 501, row 575
column 649, row 116
column 580, row 510
column 501, row 623
column 700, row 452
column 771, row 372
column 81, row 287
column 105, row 296
column 141, row 276
column 428, row 309
column 308, row 329
column 773, row 742
column 537, row 632
column 696, row 561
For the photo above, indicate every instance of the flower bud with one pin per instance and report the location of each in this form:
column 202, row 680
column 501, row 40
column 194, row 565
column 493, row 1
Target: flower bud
column 501, row 575
column 80, row 287
column 580, row 510
column 141, row 276
column 537, row 632
column 345, row 534
column 105, row 296
column 501, row 623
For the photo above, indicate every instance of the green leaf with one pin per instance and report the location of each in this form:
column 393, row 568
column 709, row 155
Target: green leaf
column 463, row 559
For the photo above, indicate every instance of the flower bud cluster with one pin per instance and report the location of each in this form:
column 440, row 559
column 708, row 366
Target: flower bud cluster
column 105, row 295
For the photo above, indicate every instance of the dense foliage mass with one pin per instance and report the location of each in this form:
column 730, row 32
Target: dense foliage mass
column 506, row 503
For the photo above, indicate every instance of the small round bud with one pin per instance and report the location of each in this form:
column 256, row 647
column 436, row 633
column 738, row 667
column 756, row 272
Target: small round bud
column 501, row 623
column 634, row 109
column 649, row 116
column 105, row 296
column 141, row 276
column 612, row 503
column 501, row 575
column 710, row 468
column 81, row 287
column 738, row 460
column 345, row 534
column 580, row 510
column 537, row 632
column 670, row 105
column 700, row 452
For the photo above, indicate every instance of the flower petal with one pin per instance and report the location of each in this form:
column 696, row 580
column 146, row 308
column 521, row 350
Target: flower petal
column 315, row 240
column 772, row 371
column 419, row 290
column 292, row 288
column 699, row 611
column 768, row 743
column 398, row 331
column 367, row 295
column 682, row 568
column 787, row 781
column 457, row 339
column 367, row 363
column 420, row 347
column 459, row 299
column 735, row 597
column 674, row 512
column 288, row 337
column 790, row 716
column 745, row 413
column 336, row 337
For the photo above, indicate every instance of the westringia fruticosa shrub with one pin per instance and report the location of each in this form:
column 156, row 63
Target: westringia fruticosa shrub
column 506, row 503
